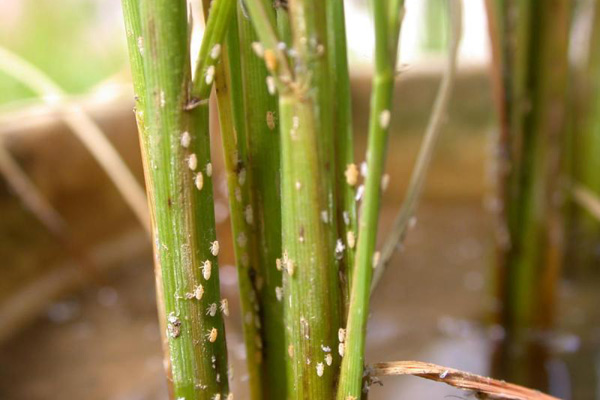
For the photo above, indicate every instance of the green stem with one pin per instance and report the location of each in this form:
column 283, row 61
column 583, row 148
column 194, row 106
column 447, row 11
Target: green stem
column 500, row 25
column 586, row 143
column 135, row 45
column 133, row 30
column 417, row 179
column 386, row 32
column 261, row 162
column 179, row 186
column 231, row 118
column 344, row 140
column 312, row 295
column 531, row 47
column 311, row 304
column 284, row 27
column 592, row 172
column 276, row 59
column 311, row 290
column 217, row 23
column 537, row 128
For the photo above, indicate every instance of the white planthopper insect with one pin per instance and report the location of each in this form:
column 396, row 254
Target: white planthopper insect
column 199, row 181
column 192, row 162
column 212, row 335
column 320, row 369
column 214, row 248
column 212, row 310
column 206, row 269
column 225, row 307
column 351, row 174
column 186, row 139
column 215, row 52
column 384, row 119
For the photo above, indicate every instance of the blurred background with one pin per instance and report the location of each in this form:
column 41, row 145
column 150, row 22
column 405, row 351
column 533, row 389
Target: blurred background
column 77, row 308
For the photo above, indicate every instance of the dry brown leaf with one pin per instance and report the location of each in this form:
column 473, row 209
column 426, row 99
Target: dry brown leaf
column 483, row 387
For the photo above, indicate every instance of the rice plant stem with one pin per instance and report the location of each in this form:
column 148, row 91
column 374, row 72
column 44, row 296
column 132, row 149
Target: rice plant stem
column 179, row 186
column 343, row 139
column 135, row 46
column 312, row 296
column 591, row 175
column 434, row 125
column 228, row 88
column 265, row 26
column 585, row 139
column 350, row 384
column 261, row 163
column 311, row 304
column 133, row 30
column 538, row 123
column 217, row 23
